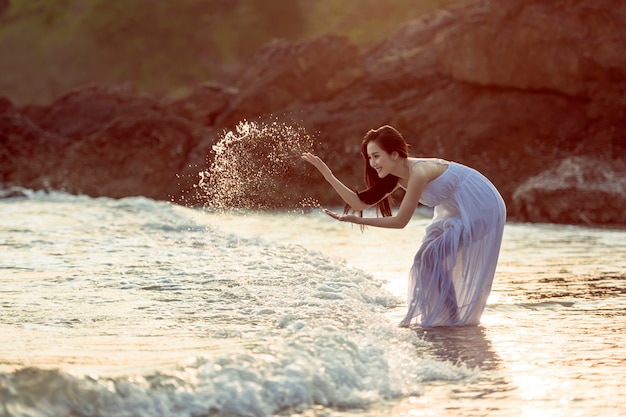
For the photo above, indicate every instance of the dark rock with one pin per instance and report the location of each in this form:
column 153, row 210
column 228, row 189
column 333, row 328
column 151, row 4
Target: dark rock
column 204, row 103
column 140, row 156
column 27, row 152
column 578, row 190
column 283, row 75
column 87, row 109
column 101, row 141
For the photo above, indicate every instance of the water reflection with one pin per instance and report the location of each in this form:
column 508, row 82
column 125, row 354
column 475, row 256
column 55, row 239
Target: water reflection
column 461, row 344
column 471, row 347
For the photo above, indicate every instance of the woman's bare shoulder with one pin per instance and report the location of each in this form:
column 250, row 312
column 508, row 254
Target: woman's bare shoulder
column 427, row 169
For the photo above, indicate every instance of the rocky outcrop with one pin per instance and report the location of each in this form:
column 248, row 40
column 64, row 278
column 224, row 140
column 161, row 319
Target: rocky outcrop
column 101, row 141
column 283, row 76
column 578, row 190
column 26, row 150
column 510, row 87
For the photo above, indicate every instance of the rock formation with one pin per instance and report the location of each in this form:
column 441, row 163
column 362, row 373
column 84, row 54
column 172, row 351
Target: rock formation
column 519, row 89
column 578, row 190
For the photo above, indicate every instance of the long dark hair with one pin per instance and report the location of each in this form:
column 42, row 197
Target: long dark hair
column 389, row 140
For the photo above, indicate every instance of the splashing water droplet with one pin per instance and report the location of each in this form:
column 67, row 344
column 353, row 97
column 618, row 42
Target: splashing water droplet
column 258, row 166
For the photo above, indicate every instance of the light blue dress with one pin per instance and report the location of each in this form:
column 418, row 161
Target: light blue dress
column 454, row 268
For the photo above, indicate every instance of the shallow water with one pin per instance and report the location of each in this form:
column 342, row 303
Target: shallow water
column 552, row 340
column 142, row 308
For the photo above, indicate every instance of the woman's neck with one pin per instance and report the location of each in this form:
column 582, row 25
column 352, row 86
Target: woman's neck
column 403, row 169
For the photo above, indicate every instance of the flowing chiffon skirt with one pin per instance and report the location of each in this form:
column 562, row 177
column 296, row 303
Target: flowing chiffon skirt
column 454, row 268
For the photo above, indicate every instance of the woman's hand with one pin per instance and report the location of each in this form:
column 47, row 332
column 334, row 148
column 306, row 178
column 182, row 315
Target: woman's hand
column 317, row 162
column 341, row 217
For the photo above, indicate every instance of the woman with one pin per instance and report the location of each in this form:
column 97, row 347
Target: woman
column 454, row 268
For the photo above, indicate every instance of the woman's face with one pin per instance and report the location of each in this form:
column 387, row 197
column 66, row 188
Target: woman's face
column 380, row 160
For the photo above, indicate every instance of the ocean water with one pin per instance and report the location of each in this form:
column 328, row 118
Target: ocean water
column 135, row 307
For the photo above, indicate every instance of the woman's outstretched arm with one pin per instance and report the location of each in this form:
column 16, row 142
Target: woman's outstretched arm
column 416, row 184
column 350, row 197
